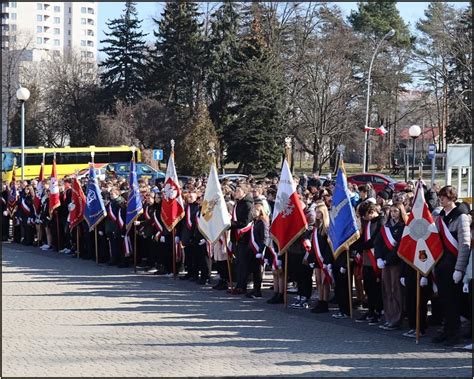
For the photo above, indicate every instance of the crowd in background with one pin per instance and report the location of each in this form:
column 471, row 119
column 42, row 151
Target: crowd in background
column 384, row 288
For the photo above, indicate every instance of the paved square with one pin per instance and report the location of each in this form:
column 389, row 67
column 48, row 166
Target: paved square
column 67, row 317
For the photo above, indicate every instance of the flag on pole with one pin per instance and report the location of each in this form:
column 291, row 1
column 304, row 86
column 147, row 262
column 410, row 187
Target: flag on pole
column 288, row 221
column 381, row 131
column 12, row 195
column 95, row 209
column 134, row 204
column 343, row 229
column 39, row 190
column 172, row 206
column 78, row 204
column 421, row 246
column 214, row 217
column 54, row 201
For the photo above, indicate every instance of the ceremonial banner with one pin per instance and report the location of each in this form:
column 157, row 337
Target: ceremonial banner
column 134, row 204
column 289, row 221
column 54, row 201
column 78, row 204
column 343, row 229
column 214, row 217
column 39, row 190
column 95, row 209
column 12, row 195
column 421, row 245
column 172, row 206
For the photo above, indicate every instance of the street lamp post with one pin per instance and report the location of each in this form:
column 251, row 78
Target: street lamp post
column 22, row 94
column 414, row 133
column 389, row 34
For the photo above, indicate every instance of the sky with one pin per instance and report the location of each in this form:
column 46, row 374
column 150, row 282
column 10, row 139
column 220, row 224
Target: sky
column 410, row 12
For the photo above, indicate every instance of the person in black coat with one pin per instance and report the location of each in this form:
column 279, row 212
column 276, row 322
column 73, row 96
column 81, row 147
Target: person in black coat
column 188, row 237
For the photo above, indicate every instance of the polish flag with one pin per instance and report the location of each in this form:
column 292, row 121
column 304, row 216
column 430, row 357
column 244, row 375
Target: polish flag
column 381, row 131
column 421, row 245
column 78, row 204
column 172, row 206
column 54, row 201
column 289, row 221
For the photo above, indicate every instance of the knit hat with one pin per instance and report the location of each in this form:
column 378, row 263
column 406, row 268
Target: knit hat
column 384, row 195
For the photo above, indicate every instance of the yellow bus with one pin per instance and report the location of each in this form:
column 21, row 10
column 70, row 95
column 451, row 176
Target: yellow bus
column 69, row 160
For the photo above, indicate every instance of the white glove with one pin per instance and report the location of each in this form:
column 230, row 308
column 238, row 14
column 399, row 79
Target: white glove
column 342, row 270
column 457, row 276
column 465, row 288
column 162, row 239
column 311, row 265
column 176, row 239
column 402, row 281
column 329, row 266
column 258, row 256
column 423, row 281
column 101, row 233
column 5, row 213
column 136, row 223
column 201, row 242
column 279, row 263
column 380, row 263
column 434, row 287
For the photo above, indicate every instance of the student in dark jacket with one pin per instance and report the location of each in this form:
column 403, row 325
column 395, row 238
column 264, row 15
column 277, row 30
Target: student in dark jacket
column 386, row 247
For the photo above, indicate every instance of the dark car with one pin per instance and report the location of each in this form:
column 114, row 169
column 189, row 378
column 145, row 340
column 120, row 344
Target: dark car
column 378, row 181
column 143, row 171
column 232, row 177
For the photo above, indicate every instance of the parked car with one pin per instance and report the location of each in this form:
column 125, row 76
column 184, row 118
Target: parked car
column 143, row 171
column 378, row 181
column 232, row 177
column 100, row 171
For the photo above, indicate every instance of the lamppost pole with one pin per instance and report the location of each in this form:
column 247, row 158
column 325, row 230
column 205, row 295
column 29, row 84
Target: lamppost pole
column 414, row 133
column 390, row 33
column 22, row 94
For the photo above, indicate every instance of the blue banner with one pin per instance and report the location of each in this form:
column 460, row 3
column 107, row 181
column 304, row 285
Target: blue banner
column 134, row 204
column 95, row 209
column 343, row 229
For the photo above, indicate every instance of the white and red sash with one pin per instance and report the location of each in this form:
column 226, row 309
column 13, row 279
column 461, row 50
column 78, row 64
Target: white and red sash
column 189, row 224
column 275, row 257
column 327, row 275
column 146, row 214
column 449, row 242
column 110, row 214
column 158, row 226
column 240, row 232
column 253, row 244
column 120, row 222
column 388, row 237
column 370, row 252
column 26, row 209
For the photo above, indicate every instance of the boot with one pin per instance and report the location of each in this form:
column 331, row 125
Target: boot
column 322, row 307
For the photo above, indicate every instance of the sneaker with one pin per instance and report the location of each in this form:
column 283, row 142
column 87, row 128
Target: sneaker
column 410, row 333
column 392, row 327
column 374, row 321
column 152, row 270
column 45, row 246
column 339, row 315
column 468, row 347
column 384, row 325
column 366, row 317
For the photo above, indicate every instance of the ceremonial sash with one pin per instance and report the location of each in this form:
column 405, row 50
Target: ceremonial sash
column 147, row 216
column 253, row 244
column 275, row 257
column 120, row 222
column 370, row 252
column 127, row 245
column 3, row 200
column 240, row 232
column 179, row 251
column 388, row 237
column 26, row 209
column 157, row 225
column 110, row 214
column 327, row 275
column 189, row 224
column 449, row 242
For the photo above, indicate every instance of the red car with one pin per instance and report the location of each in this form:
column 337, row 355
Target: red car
column 378, row 181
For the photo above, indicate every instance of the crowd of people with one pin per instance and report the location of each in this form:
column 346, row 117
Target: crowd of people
column 384, row 286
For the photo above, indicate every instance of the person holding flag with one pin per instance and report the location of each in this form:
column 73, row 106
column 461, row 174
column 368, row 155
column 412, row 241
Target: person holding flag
column 454, row 229
column 54, row 202
column 76, row 209
column 342, row 232
column 39, row 189
column 134, row 205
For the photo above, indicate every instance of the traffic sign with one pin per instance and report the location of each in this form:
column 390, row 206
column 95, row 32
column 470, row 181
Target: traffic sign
column 431, row 151
column 158, row 155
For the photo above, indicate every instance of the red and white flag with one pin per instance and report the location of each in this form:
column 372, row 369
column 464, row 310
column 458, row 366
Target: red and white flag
column 421, row 245
column 39, row 190
column 172, row 206
column 381, row 131
column 289, row 221
column 54, row 201
column 78, row 204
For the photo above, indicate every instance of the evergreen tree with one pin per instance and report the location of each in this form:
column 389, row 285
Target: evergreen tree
column 124, row 67
column 460, row 81
column 176, row 72
column 191, row 154
column 254, row 137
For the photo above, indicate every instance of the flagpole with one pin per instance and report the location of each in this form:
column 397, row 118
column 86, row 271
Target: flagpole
column 288, row 158
column 134, row 248
column 229, row 267
column 417, row 307
column 349, row 282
